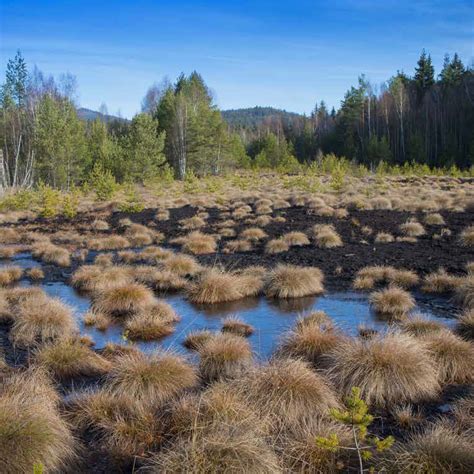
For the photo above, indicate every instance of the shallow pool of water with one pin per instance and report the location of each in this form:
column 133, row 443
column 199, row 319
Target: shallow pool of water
column 270, row 318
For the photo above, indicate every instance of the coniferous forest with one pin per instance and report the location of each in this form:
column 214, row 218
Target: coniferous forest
column 426, row 117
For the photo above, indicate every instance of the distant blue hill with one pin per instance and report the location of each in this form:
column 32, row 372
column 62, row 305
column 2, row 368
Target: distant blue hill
column 254, row 116
column 88, row 114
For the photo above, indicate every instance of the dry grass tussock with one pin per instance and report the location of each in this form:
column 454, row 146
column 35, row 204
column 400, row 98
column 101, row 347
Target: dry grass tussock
column 384, row 238
column 439, row 448
column 389, row 369
column 9, row 236
column 153, row 323
column 122, row 300
column 276, row 246
column 192, row 223
column 290, row 281
column 10, row 274
column 392, row 302
column 35, row 273
column 224, row 356
column 296, row 239
column 93, row 278
column 50, row 253
column 454, row 356
column 440, row 282
column 237, row 326
column 71, row 358
column 9, row 252
column 238, row 246
column 367, row 277
column 181, row 265
column 118, row 424
column 253, row 234
column 112, row 242
column 100, row 321
column 31, row 430
column 151, row 378
column 467, row 236
column 195, row 340
column 198, row 243
column 412, row 228
column 465, row 292
column 465, row 325
column 434, row 219
column 325, row 236
column 310, row 342
column 40, row 319
column 318, row 318
column 284, row 391
column 418, row 325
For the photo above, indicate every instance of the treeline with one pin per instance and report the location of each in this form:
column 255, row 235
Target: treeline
column 421, row 119
column 44, row 141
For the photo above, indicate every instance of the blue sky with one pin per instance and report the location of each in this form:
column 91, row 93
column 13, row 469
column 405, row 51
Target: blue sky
column 282, row 54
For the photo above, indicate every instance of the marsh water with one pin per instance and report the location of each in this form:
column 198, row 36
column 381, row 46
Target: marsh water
column 270, row 317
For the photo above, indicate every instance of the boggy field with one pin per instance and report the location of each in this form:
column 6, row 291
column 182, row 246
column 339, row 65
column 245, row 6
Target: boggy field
column 147, row 362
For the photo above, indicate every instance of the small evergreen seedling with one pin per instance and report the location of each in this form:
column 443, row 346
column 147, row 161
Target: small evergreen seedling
column 356, row 416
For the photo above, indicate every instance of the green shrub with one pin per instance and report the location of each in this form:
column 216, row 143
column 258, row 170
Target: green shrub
column 133, row 202
column 48, row 200
column 103, row 183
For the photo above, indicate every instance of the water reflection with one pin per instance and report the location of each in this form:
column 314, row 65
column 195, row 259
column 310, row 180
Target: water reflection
column 269, row 317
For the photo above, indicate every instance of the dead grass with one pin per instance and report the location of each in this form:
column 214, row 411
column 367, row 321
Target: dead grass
column 151, row 378
column 418, row 325
column 254, row 234
column 389, row 369
column 238, row 246
column 325, row 236
column 50, row 253
column 439, row 282
column 100, row 321
column 153, row 323
column 31, row 430
column 406, row 416
column 9, row 236
column 465, row 292
column 276, row 246
column 437, row 449
column 412, row 228
column 237, row 326
column 10, row 274
column 434, row 219
column 224, row 356
column 112, row 242
column 198, row 243
column 392, row 302
column 454, row 356
column 100, row 225
column 70, row 358
column 318, row 318
column 383, row 238
column 92, row 278
column 296, row 239
column 41, row 320
column 195, row 340
column 35, row 273
column 8, row 252
column 465, row 325
column 162, row 215
column 309, row 342
column 181, row 265
column 122, row 300
column 104, row 260
column 467, row 236
column 290, row 281
column 214, row 286
column 192, row 223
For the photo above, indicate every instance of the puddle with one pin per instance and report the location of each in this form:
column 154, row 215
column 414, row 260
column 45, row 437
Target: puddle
column 270, row 318
column 23, row 260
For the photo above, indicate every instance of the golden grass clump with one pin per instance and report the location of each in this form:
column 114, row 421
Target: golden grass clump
column 8, row 252
column 418, row 325
column 152, row 323
column 439, row 448
column 10, row 274
column 286, row 390
column 300, row 453
column 100, row 225
column 192, row 223
column 381, row 203
column 151, row 378
column 254, row 234
column 100, row 321
column 276, row 246
column 296, row 239
column 318, row 318
column 465, row 325
column 95, row 278
column 439, row 282
column 9, row 236
column 214, row 286
column 383, row 238
column 392, row 302
column 123, row 300
column 467, row 236
column 111, row 242
column 195, row 340
column 31, row 430
column 412, row 228
column 236, row 326
column 117, row 424
column 40, row 320
column 50, row 253
column 290, row 281
column 35, row 273
column 465, row 292
column 224, row 356
column 434, row 219
column 403, row 278
column 104, row 259
column 71, row 358
column 454, row 356
column 198, row 243
column 162, row 215
column 181, row 265
column 309, row 342
column 240, row 245
column 389, row 369
column 325, row 236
